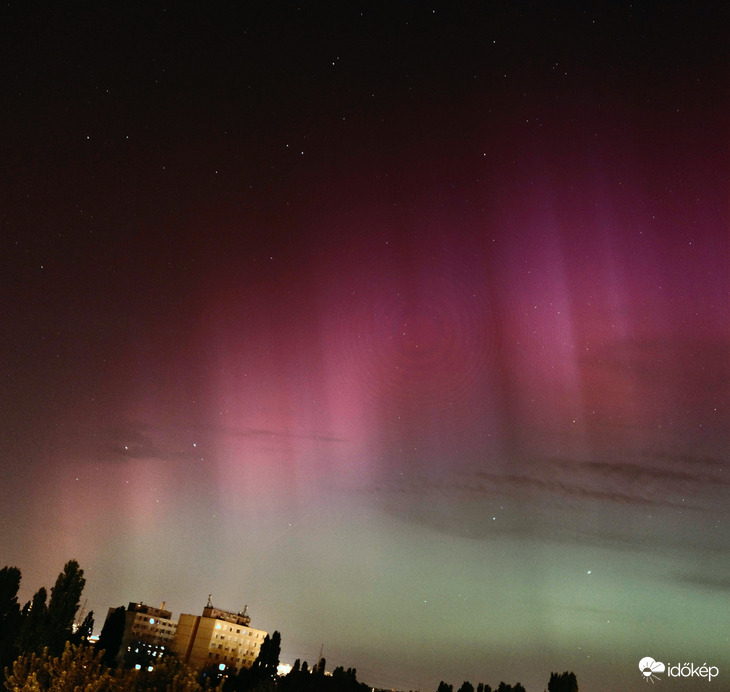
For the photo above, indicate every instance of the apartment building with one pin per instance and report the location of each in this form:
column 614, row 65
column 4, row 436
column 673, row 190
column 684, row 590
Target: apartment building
column 217, row 638
column 148, row 632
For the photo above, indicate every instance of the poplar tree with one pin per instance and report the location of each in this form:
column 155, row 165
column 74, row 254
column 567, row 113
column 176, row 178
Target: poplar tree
column 34, row 621
column 267, row 662
column 62, row 607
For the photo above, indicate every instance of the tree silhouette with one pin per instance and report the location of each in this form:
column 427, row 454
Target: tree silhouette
column 262, row 671
column 563, row 682
column 65, row 599
column 267, row 662
column 84, row 630
column 110, row 638
column 344, row 680
column 34, row 623
column 10, row 618
column 504, row 687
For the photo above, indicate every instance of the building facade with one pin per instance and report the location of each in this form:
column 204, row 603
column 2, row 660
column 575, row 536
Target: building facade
column 217, row 638
column 148, row 632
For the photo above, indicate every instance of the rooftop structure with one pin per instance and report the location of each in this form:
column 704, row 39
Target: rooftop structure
column 217, row 638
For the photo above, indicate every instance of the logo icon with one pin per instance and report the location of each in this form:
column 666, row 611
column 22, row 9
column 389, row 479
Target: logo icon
column 649, row 667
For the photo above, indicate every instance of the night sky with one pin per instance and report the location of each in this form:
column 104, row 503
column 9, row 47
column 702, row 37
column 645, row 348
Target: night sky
column 409, row 328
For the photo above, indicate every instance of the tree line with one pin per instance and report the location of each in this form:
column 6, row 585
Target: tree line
column 44, row 649
column 559, row 682
column 42, row 623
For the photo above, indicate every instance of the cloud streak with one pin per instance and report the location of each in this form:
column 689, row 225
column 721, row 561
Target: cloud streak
column 617, row 505
column 164, row 444
column 618, row 482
